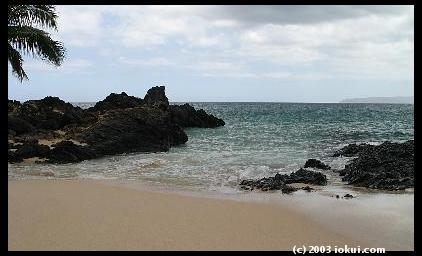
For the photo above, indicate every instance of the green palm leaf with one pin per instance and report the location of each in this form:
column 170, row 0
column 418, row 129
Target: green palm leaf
column 32, row 15
column 36, row 42
column 16, row 61
column 24, row 37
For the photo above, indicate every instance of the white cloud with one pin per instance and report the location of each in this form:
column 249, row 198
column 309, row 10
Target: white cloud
column 156, row 61
column 368, row 40
column 80, row 25
column 280, row 75
column 69, row 66
column 216, row 66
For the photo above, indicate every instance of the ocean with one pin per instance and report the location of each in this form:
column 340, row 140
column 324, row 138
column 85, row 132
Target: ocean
column 258, row 140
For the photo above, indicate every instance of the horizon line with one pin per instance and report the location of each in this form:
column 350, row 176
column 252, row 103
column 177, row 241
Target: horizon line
column 300, row 102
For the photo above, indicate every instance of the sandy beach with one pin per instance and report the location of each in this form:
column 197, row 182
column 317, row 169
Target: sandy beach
column 84, row 215
column 211, row 128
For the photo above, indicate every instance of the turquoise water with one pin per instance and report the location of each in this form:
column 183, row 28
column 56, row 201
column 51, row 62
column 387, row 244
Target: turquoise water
column 259, row 139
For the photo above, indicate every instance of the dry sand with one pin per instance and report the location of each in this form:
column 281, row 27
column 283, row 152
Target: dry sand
column 79, row 215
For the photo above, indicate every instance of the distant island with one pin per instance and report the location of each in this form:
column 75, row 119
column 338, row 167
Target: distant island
column 392, row 100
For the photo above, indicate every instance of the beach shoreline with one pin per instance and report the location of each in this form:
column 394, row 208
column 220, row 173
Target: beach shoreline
column 103, row 215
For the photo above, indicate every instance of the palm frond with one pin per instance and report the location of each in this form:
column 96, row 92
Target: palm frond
column 26, row 37
column 16, row 62
column 36, row 41
column 32, row 15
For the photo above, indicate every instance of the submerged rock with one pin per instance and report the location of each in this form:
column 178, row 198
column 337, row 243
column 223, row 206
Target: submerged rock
column 388, row 166
column 314, row 163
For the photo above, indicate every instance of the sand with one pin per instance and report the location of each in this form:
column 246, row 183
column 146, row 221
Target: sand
column 86, row 215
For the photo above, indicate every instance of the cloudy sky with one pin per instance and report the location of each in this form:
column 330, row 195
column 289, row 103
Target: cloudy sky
column 228, row 53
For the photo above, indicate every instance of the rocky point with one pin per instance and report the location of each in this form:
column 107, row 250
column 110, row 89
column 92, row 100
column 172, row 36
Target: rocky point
column 58, row 132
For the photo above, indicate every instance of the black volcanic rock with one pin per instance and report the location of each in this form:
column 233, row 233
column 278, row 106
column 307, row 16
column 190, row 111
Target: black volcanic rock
column 352, row 149
column 307, row 188
column 388, row 166
column 187, row 116
column 28, row 150
column 26, row 140
column 12, row 157
column 18, row 125
column 116, row 101
column 308, row 177
column 139, row 129
column 347, row 196
column 288, row 189
column 314, row 163
column 280, row 181
column 33, row 150
column 118, row 124
column 49, row 113
column 68, row 152
column 156, row 97
column 13, row 106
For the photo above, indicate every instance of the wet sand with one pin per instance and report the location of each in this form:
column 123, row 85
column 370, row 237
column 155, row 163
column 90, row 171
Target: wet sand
column 86, row 215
